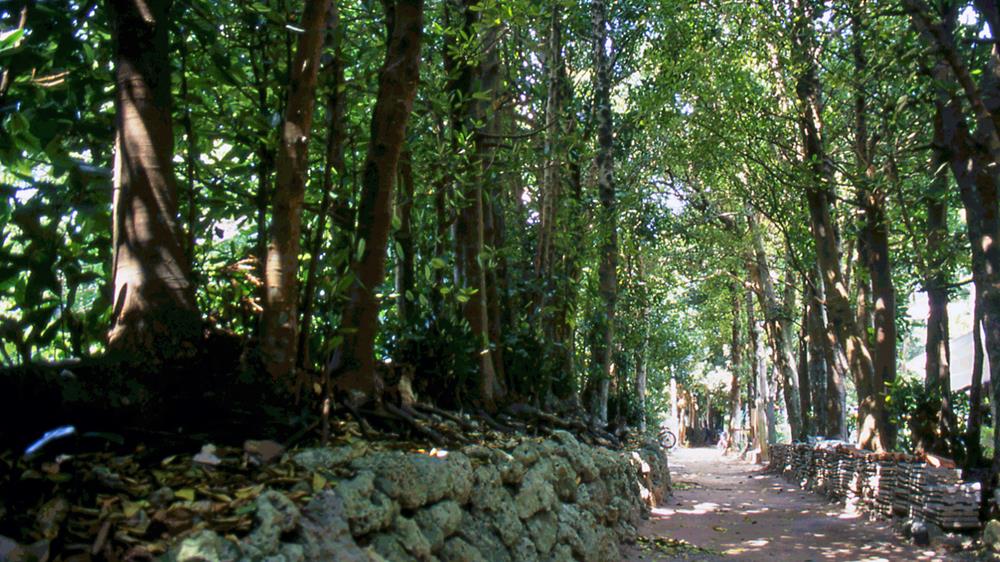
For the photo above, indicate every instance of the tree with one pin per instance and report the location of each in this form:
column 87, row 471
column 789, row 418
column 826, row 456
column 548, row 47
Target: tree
column 155, row 315
column 608, row 227
column 279, row 318
column 352, row 365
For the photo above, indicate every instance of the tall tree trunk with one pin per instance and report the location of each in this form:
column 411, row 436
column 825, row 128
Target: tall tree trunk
column 973, row 431
column 608, row 224
column 875, row 234
column 937, row 377
column 776, row 322
column 974, row 162
column 812, row 327
column 551, row 176
column 640, row 354
column 155, row 315
column 801, row 374
column 336, row 136
column 474, row 91
column 835, row 364
column 806, row 390
column 819, row 198
column 764, row 428
column 279, row 319
column 191, row 157
column 736, row 366
column 353, row 363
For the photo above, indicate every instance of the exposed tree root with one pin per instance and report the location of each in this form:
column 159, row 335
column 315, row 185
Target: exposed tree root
column 402, row 414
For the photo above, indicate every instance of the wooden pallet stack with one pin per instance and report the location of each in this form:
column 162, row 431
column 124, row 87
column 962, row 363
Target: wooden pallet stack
column 882, row 483
column 952, row 506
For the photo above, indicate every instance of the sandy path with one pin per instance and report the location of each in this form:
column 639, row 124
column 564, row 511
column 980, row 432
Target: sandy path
column 737, row 513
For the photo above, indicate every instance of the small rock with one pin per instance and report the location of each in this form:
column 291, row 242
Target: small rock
column 204, row 546
column 13, row 551
column 543, row 528
column 919, row 534
column 367, row 510
column 276, row 515
column 324, row 531
column 457, row 550
column 408, row 534
column 439, row 521
column 263, row 452
column 388, row 546
column 51, row 516
column 207, row 456
column 323, row 457
column 991, row 535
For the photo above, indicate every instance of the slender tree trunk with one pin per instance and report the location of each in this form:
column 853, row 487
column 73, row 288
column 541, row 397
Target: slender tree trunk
column 973, row 431
column 551, row 177
column 565, row 386
column 474, row 89
column 736, row 366
column 806, row 390
column 776, row 321
column 191, row 158
column 764, row 405
column 937, row 378
column 155, row 315
column 640, row 354
column 279, row 319
column 353, row 364
column 336, row 136
column 812, row 327
column 608, row 228
column 405, row 268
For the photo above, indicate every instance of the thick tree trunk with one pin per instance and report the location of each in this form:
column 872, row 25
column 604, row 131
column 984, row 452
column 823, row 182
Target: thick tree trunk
column 875, row 236
column 608, row 223
column 279, row 319
column 975, row 174
column 353, row 364
column 155, row 316
column 975, row 163
column 819, row 198
column 835, row 364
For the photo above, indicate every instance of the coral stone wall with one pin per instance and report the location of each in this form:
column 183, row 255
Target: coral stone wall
column 552, row 499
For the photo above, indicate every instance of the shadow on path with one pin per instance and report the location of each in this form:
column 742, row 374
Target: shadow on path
column 729, row 510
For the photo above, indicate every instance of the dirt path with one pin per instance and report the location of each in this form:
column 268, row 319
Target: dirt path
column 731, row 511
